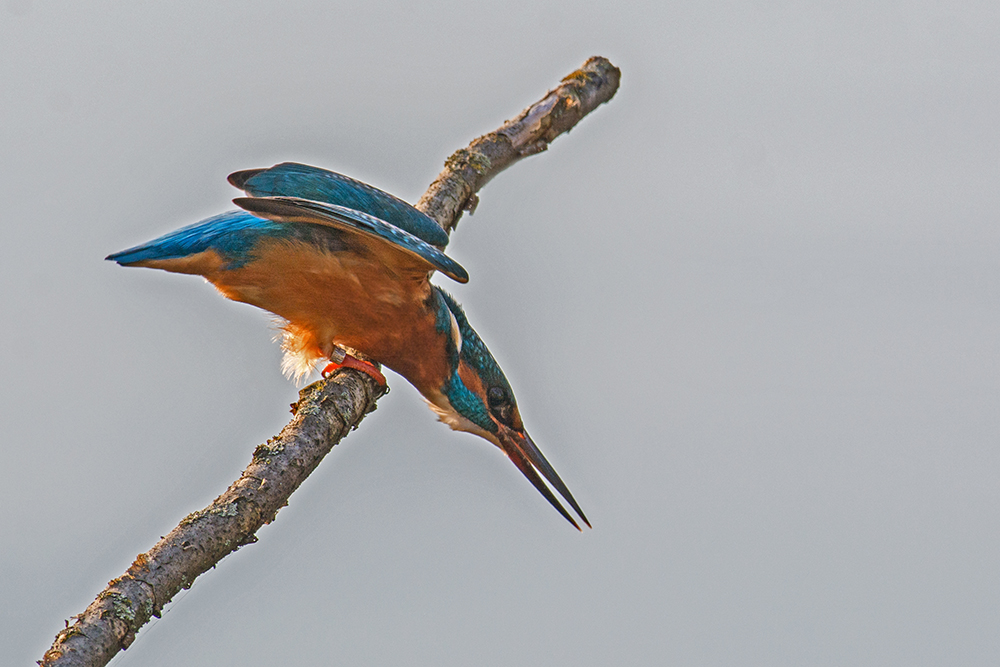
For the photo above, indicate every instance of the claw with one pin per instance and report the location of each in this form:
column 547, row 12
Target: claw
column 366, row 367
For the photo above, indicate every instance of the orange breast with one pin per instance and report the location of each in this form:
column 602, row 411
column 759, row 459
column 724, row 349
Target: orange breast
column 344, row 298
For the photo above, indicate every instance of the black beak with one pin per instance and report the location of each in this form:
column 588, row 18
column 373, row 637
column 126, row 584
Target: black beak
column 530, row 461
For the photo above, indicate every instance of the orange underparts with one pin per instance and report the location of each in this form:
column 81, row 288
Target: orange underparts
column 365, row 367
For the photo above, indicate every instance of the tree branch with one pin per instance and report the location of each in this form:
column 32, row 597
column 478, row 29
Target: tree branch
column 326, row 411
column 467, row 170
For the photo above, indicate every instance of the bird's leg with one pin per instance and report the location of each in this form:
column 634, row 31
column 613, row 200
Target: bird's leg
column 341, row 359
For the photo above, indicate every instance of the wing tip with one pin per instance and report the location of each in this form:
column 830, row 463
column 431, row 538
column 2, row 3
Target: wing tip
column 239, row 178
column 122, row 258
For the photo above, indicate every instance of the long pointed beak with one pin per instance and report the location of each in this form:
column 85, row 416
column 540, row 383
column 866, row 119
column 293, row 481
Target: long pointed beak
column 530, row 461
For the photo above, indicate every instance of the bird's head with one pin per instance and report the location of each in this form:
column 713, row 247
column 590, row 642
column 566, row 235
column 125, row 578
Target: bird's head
column 479, row 400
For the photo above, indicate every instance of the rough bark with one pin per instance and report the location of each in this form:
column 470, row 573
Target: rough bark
column 468, row 169
column 326, row 411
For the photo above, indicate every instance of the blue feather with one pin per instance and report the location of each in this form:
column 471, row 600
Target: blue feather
column 232, row 234
column 474, row 350
column 293, row 209
column 291, row 179
column 467, row 404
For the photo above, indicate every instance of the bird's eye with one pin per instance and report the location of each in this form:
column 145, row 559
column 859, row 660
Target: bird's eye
column 496, row 396
column 500, row 405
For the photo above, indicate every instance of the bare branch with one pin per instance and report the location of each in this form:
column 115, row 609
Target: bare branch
column 467, row 170
column 326, row 411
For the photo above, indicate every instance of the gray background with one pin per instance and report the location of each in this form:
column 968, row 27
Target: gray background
column 748, row 308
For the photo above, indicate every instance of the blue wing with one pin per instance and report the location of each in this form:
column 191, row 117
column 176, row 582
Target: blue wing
column 233, row 240
column 411, row 250
column 231, row 235
column 291, row 179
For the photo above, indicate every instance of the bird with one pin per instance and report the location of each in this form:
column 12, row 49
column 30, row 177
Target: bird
column 346, row 268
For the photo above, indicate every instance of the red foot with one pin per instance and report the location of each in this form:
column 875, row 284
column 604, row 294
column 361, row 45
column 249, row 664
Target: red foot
column 364, row 366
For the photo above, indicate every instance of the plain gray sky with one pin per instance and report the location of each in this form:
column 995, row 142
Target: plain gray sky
column 749, row 309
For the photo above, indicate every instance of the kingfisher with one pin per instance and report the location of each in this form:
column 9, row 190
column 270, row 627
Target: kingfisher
column 346, row 268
